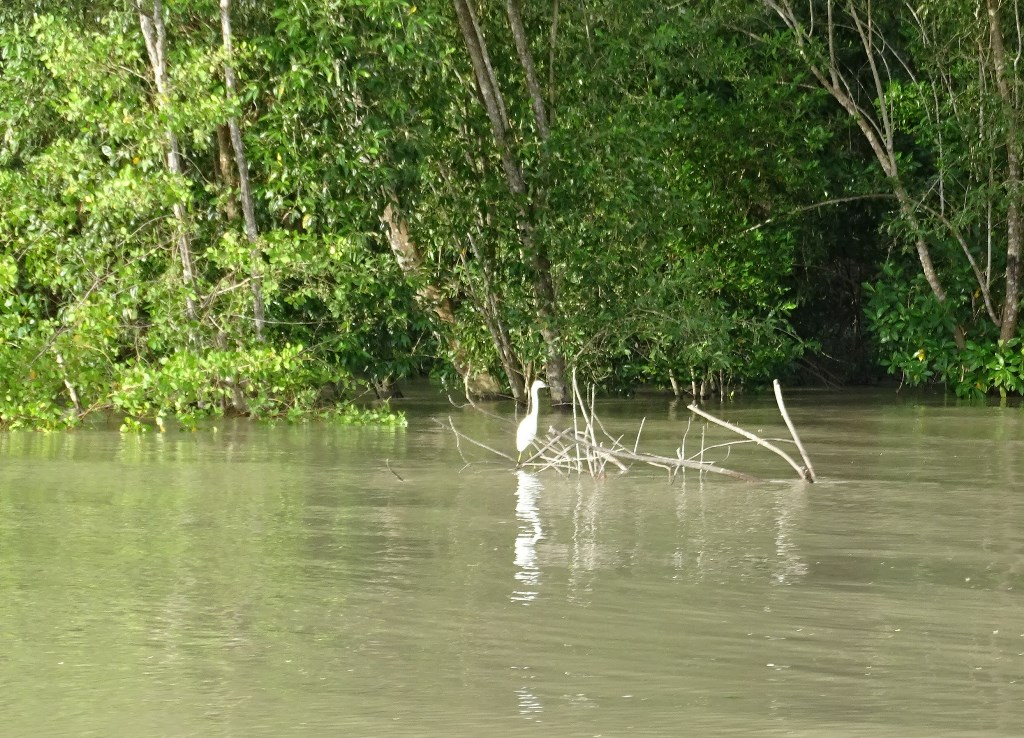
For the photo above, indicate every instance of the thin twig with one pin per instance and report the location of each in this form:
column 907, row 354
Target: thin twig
column 475, row 442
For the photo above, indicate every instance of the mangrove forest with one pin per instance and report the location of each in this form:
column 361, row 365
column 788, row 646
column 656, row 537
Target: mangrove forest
column 266, row 208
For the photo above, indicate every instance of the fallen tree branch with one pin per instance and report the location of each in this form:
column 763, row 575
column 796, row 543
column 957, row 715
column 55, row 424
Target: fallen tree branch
column 756, row 439
column 474, row 441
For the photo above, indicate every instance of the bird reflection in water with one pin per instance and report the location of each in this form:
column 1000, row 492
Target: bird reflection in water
column 527, row 572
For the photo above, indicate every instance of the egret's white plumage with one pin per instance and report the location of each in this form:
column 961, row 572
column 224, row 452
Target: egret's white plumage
column 528, row 427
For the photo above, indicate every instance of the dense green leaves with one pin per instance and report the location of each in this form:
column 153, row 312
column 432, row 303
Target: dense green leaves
column 697, row 198
column 96, row 311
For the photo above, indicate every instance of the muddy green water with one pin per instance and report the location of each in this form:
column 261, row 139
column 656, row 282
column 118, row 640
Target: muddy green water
column 284, row 581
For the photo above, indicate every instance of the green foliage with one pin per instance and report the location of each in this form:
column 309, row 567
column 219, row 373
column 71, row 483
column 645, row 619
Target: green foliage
column 914, row 332
column 95, row 311
column 662, row 200
column 671, row 199
column 987, row 368
column 352, row 415
column 936, row 95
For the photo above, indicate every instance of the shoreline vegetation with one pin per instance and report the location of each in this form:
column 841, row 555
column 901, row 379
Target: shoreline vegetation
column 218, row 208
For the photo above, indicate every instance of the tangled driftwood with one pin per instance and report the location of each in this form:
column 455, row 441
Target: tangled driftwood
column 587, row 448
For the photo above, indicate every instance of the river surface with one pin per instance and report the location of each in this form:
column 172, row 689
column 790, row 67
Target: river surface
column 322, row 580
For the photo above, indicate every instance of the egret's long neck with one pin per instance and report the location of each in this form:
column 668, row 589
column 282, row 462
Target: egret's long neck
column 534, row 399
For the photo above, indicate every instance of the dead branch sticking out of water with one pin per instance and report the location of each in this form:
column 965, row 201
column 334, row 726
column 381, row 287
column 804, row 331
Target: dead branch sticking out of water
column 588, row 448
column 806, row 471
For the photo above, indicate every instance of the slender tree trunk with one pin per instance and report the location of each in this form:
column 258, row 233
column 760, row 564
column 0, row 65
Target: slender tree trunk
column 540, row 116
column 490, row 94
column 552, row 46
column 547, row 302
column 1011, row 300
column 493, row 101
column 248, row 212
column 491, row 310
column 478, row 383
column 155, row 34
column 544, row 287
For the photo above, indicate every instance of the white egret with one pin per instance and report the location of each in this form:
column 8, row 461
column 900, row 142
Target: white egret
column 528, row 427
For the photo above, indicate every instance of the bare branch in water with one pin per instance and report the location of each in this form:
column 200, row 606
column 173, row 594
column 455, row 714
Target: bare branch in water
column 475, row 442
column 809, row 475
column 756, row 439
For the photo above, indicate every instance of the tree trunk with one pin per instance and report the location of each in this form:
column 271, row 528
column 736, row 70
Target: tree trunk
column 490, row 94
column 544, row 287
column 540, row 116
column 487, row 84
column 248, row 212
column 478, row 383
column 491, row 310
column 547, row 309
column 226, row 172
column 155, row 35
column 1011, row 299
